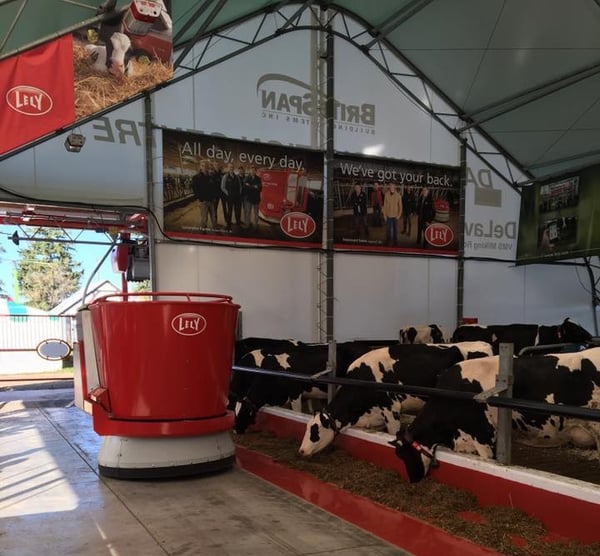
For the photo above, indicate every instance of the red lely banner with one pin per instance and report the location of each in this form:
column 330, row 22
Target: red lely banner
column 36, row 93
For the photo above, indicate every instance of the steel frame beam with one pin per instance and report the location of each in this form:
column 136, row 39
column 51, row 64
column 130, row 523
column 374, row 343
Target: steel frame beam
column 396, row 19
column 201, row 9
column 512, row 102
column 209, row 19
column 13, row 24
column 290, row 23
column 428, row 88
column 553, row 161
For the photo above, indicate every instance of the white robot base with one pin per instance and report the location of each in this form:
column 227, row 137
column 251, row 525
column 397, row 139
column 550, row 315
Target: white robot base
column 159, row 458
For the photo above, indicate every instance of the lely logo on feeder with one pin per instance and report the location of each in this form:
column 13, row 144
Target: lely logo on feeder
column 298, row 225
column 188, row 324
column 439, row 235
column 29, row 100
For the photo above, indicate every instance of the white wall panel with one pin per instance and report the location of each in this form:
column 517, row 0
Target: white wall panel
column 494, row 292
column 555, row 292
column 444, row 149
column 443, row 280
column 255, row 95
column 376, row 295
column 545, row 294
column 17, row 174
column 174, row 105
column 109, row 169
column 276, row 289
column 400, row 129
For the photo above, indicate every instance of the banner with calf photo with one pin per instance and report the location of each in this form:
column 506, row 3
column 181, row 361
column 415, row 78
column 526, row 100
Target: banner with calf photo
column 97, row 66
column 396, row 206
column 239, row 191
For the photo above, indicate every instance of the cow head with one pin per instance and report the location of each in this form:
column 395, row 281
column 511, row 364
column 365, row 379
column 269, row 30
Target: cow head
column 417, row 458
column 245, row 415
column 437, row 335
column 571, row 332
column 321, row 429
column 121, row 54
column 408, row 335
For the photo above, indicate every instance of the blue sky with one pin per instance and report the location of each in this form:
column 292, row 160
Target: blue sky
column 88, row 255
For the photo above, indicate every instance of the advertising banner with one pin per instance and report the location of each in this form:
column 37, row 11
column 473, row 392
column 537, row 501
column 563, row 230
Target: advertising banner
column 231, row 190
column 129, row 51
column 491, row 210
column 558, row 218
column 398, row 206
column 36, row 93
column 73, row 77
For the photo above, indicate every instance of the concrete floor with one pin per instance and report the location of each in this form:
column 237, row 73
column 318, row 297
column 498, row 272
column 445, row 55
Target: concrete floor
column 53, row 501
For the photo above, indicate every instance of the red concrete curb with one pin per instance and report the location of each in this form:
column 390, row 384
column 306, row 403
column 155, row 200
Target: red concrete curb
column 397, row 528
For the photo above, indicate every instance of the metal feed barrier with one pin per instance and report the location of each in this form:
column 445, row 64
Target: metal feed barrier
column 499, row 396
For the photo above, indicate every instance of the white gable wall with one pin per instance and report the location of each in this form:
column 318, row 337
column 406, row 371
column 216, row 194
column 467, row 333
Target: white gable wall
column 278, row 289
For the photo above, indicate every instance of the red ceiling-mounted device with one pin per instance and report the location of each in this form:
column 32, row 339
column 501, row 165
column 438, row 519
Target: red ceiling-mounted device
column 141, row 16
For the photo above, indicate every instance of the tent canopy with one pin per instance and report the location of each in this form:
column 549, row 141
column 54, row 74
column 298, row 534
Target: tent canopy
column 525, row 73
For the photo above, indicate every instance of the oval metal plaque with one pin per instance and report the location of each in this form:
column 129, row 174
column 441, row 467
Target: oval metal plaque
column 53, row 349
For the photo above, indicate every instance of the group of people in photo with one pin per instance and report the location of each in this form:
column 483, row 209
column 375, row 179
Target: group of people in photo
column 237, row 190
column 391, row 205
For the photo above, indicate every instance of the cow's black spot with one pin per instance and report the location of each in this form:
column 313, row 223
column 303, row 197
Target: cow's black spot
column 314, row 433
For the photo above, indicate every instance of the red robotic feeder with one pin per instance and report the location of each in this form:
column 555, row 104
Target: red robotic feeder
column 163, row 363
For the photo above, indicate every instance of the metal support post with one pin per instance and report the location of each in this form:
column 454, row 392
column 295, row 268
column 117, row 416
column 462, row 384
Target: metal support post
column 329, row 153
column 505, row 381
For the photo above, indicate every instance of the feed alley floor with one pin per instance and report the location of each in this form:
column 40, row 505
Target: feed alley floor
column 54, row 502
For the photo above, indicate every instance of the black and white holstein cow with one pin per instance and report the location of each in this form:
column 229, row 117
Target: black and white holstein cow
column 424, row 334
column 120, row 58
column 470, row 427
column 306, row 359
column 240, row 381
column 522, row 335
column 411, row 365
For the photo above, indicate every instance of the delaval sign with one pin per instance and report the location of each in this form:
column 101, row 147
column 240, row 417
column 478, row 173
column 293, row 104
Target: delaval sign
column 287, row 99
column 491, row 213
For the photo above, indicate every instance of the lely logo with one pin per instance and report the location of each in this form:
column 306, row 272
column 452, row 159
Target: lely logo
column 298, row 225
column 29, row 100
column 188, row 324
column 439, row 235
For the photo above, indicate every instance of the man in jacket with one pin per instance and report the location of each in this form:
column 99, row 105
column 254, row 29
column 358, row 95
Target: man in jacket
column 232, row 191
column 377, row 203
column 425, row 215
column 392, row 210
column 206, row 197
column 251, row 188
column 358, row 198
column 409, row 206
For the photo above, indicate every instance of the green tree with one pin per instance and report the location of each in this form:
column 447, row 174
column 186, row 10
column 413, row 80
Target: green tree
column 143, row 286
column 46, row 271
